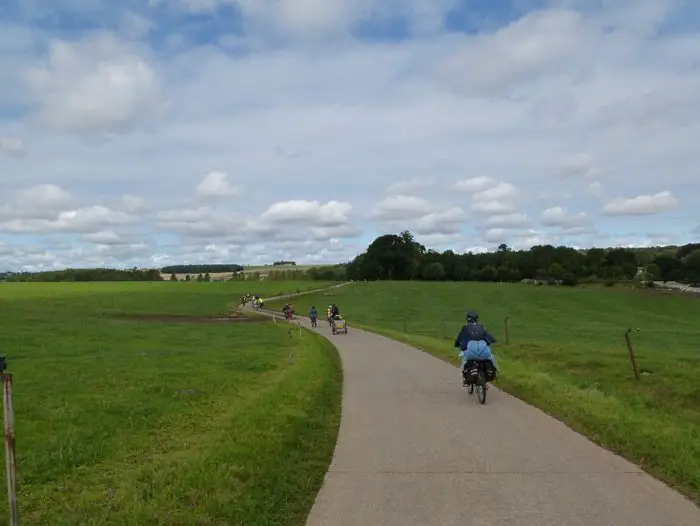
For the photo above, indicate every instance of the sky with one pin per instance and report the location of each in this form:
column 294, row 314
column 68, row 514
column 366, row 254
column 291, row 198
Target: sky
column 154, row 132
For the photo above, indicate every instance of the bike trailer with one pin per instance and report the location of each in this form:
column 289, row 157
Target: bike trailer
column 340, row 326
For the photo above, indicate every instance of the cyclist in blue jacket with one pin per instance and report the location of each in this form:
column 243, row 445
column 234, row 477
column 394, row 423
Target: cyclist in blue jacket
column 474, row 342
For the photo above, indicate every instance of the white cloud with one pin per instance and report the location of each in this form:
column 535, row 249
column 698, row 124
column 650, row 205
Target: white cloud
column 558, row 217
column 500, row 199
column 44, row 197
column 94, row 85
column 309, row 213
column 401, row 207
column 642, row 205
column 103, row 237
column 475, row 184
column 450, row 221
column 217, row 184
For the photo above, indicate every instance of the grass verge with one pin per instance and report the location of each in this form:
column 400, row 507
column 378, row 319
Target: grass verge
column 567, row 357
column 130, row 422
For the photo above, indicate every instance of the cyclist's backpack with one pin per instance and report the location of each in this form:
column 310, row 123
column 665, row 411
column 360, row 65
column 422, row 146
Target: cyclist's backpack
column 476, row 331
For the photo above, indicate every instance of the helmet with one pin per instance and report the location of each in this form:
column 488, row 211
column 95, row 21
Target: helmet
column 472, row 316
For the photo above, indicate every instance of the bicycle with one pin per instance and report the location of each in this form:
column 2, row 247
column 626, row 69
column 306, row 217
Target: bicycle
column 313, row 321
column 477, row 375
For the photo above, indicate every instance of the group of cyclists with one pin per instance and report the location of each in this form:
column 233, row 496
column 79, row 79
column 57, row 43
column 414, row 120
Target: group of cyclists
column 257, row 301
column 332, row 315
column 473, row 340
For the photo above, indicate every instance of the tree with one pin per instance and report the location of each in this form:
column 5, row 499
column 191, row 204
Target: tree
column 653, row 271
column 691, row 266
column 188, row 278
column 503, row 274
column 400, row 257
column 556, row 271
column 173, row 277
column 433, row 271
column 207, row 277
column 488, row 273
column 569, row 279
column 200, row 277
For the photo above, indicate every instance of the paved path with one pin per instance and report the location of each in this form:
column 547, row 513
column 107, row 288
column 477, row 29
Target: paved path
column 415, row 449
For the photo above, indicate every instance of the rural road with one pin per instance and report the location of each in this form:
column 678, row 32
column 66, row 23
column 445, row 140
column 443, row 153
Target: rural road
column 415, row 449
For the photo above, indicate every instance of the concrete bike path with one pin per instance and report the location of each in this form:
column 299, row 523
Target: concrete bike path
column 415, row 449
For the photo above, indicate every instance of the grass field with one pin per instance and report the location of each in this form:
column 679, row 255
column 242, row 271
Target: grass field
column 125, row 421
column 567, row 356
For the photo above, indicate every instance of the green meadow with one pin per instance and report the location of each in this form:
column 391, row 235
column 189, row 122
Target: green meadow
column 133, row 408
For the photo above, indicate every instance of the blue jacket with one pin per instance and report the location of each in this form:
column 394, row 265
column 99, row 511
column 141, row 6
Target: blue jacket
column 473, row 332
column 312, row 313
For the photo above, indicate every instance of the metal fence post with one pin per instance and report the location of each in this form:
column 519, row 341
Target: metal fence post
column 10, row 462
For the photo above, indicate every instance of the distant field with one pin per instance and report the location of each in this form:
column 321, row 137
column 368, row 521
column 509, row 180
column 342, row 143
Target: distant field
column 125, row 420
column 215, row 276
column 567, row 355
column 262, row 269
column 170, row 298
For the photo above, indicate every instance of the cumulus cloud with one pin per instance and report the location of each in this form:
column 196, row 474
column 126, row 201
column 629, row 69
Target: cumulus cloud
column 500, row 199
column 401, row 207
column 94, row 85
column 642, row 205
column 450, row 221
column 475, row 184
column 217, row 184
column 309, row 213
column 558, row 217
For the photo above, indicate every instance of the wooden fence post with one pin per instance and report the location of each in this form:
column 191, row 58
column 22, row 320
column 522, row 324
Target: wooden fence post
column 505, row 323
column 633, row 358
column 10, row 461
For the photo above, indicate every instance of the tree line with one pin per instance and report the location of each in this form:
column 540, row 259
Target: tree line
column 401, row 257
column 201, row 269
column 88, row 274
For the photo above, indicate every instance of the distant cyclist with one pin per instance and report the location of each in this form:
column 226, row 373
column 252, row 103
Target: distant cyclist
column 474, row 342
column 313, row 315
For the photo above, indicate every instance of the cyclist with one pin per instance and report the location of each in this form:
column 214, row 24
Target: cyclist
column 474, row 342
column 334, row 310
column 312, row 315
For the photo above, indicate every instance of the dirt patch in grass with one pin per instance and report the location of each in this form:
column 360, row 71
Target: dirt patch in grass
column 184, row 318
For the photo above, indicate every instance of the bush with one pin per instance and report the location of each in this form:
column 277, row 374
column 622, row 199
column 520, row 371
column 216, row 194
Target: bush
column 569, row 279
